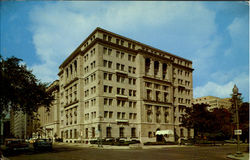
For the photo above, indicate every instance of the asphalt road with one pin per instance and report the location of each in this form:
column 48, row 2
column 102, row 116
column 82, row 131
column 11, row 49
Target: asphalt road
column 63, row 152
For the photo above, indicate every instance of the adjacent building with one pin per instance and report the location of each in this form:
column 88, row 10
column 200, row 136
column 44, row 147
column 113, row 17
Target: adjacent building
column 214, row 102
column 115, row 87
column 49, row 119
column 21, row 125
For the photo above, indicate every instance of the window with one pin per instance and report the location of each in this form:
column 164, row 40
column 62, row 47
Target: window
column 135, row 115
column 109, row 51
column 108, row 132
column 122, row 67
column 93, row 132
column 129, row 45
column 117, row 41
column 134, row 69
column 130, row 115
column 149, row 94
column 122, row 54
column 110, row 102
column 105, row 114
column 130, row 104
column 110, row 77
column 104, row 50
column 123, row 115
column 105, row 75
column 134, row 104
column 109, row 38
column 75, row 134
column 134, row 81
column 133, row 132
column 129, row 57
column 109, row 64
column 110, row 89
column 121, row 132
column 149, row 134
column 104, row 37
column 118, row 115
column 105, row 63
column 105, row 88
column 118, row 66
column 110, row 114
column 117, row 54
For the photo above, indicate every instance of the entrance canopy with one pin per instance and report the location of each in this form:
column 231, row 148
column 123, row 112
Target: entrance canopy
column 163, row 132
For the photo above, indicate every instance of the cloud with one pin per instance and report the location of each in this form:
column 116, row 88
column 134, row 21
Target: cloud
column 225, row 89
column 59, row 28
column 238, row 31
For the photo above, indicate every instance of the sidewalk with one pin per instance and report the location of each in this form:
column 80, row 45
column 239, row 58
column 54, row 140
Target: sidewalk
column 133, row 146
column 245, row 156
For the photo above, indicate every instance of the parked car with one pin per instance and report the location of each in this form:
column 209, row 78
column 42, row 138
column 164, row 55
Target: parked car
column 42, row 144
column 16, row 144
column 31, row 140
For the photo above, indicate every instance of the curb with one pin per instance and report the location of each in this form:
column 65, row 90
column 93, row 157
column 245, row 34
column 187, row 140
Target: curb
column 245, row 156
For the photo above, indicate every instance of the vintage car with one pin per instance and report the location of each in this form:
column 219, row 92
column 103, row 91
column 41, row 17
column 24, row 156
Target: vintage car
column 42, row 144
column 16, row 144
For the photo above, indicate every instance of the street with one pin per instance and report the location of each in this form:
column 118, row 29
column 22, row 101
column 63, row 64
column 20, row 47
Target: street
column 62, row 152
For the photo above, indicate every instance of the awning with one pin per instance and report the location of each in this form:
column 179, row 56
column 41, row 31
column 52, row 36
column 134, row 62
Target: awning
column 163, row 132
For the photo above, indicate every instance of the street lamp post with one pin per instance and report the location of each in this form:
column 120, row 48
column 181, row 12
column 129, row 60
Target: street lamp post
column 235, row 95
column 100, row 132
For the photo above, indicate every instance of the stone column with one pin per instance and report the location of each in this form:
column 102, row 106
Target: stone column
column 159, row 75
column 151, row 68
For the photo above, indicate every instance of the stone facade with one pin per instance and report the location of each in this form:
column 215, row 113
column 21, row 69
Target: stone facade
column 214, row 102
column 115, row 87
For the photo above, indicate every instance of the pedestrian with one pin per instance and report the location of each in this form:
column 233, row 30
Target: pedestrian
column 179, row 141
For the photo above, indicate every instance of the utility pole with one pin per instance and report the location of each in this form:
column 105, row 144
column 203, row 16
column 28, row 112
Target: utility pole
column 237, row 132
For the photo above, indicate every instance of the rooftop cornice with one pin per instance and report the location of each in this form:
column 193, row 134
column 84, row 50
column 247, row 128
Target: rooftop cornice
column 142, row 44
column 78, row 49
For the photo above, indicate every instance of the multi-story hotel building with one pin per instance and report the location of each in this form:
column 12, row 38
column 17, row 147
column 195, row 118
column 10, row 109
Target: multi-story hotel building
column 115, row 87
column 214, row 102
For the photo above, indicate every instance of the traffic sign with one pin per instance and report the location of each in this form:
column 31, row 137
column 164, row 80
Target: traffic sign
column 238, row 132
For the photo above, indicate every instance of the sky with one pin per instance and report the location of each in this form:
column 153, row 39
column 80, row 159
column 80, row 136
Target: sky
column 213, row 35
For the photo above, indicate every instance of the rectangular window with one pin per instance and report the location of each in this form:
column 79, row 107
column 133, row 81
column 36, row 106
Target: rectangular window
column 108, row 132
column 110, row 89
column 133, row 132
column 104, row 37
column 86, row 133
column 118, row 115
column 109, row 51
column 104, row 63
column 110, row 114
column 130, row 115
column 123, row 115
column 121, row 132
column 105, row 88
column 104, row 50
column 110, row 102
column 110, row 77
column 105, row 114
column 93, row 132
column 105, row 76
column 129, row 57
column 109, row 64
